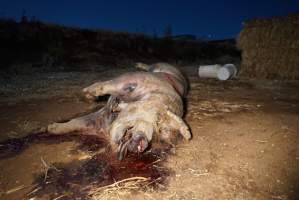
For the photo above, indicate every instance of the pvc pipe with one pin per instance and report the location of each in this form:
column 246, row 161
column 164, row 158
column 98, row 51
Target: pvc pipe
column 208, row 71
column 226, row 72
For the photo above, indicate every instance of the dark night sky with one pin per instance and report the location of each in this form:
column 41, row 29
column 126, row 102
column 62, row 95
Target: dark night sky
column 219, row 19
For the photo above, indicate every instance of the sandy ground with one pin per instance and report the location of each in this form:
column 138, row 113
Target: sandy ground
column 245, row 137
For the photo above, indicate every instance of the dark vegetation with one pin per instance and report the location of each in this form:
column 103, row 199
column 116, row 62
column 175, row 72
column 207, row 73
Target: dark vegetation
column 30, row 45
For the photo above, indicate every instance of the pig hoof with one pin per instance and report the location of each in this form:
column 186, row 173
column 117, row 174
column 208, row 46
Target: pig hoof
column 52, row 128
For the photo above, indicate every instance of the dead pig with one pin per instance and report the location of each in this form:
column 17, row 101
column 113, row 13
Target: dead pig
column 151, row 104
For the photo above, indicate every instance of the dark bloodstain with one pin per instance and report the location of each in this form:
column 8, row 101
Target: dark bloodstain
column 73, row 180
column 15, row 146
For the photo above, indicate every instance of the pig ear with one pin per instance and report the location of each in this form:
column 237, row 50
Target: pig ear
column 177, row 123
column 130, row 87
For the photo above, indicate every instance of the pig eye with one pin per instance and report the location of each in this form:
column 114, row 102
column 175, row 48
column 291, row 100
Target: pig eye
column 130, row 87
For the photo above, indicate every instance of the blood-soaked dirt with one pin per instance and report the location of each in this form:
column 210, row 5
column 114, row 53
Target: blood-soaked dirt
column 245, row 144
column 74, row 179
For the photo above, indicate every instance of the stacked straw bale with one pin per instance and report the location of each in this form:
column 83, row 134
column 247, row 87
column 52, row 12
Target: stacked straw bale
column 270, row 48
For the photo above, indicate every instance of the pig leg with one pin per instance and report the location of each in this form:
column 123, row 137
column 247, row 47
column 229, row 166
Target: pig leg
column 89, row 124
column 99, row 89
column 144, row 66
column 86, row 124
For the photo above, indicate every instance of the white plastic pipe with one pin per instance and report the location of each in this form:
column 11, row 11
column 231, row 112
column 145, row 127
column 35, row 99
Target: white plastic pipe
column 208, row 71
column 226, row 72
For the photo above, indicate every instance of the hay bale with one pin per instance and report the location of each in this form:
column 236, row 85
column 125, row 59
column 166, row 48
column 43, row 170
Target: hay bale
column 270, row 48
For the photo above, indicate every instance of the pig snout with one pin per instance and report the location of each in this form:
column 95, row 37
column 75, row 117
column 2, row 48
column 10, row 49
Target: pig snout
column 138, row 143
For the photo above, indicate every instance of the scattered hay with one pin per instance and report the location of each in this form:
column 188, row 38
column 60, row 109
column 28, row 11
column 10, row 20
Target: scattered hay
column 213, row 108
column 119, row 188
column 18, row 188
column 270, row 48
column 46, row 167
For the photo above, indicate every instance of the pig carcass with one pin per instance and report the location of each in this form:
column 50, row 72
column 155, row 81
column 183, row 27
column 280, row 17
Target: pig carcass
column 151, row 105
column 150, row 108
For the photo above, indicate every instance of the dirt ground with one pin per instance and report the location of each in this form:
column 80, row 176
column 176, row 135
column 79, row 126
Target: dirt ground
column 245, row 141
